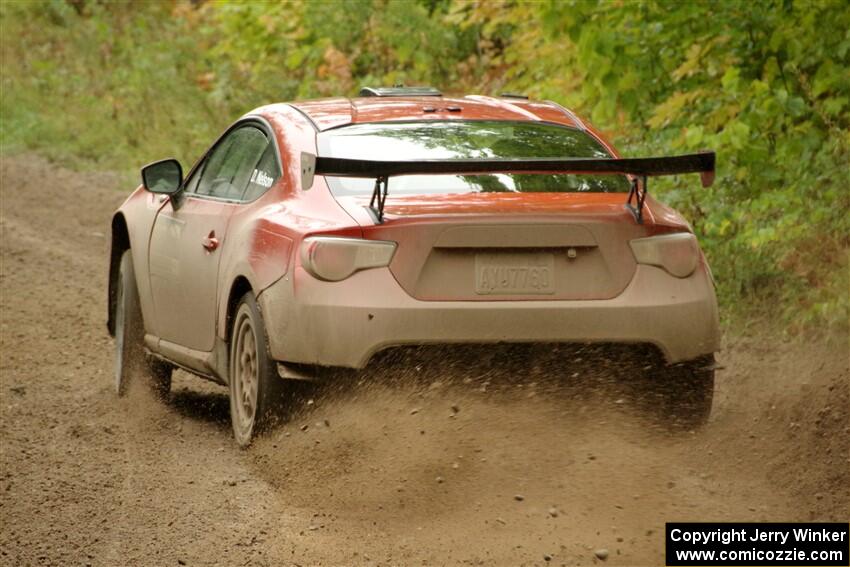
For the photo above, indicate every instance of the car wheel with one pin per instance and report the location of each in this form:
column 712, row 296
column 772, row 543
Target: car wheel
column 684, row 393
column 256, row 391
column 130, row 354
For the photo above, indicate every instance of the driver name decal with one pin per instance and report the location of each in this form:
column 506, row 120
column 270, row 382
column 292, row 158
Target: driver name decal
column 262, row 178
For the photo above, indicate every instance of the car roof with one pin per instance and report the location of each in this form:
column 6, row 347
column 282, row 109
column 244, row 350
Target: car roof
column 335, row 112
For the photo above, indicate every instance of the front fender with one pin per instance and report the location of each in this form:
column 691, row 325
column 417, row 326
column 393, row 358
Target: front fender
column 131, row 229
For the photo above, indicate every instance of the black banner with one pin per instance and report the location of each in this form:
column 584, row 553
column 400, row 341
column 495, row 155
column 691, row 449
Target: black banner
column 744, row 544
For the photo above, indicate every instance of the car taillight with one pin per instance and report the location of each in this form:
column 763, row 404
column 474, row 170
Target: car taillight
column 333, row 259
column 677, row 253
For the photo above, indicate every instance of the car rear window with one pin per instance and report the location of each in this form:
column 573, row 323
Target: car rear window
column 467, row 140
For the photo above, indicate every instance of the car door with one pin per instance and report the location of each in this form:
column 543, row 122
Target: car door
column 187, row 241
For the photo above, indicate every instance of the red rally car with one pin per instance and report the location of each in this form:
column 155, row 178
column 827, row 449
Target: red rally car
column 316, row 234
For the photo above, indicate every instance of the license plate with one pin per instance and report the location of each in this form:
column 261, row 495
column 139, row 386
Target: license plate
column 514, row 274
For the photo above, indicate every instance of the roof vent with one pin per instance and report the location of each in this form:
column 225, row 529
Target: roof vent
column 399, row 91
column 514, row 95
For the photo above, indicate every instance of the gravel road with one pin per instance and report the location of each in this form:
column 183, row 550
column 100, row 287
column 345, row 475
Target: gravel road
column 455, row 469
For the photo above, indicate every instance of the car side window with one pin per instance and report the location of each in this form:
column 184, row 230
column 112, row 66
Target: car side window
column 230, row 166
column 263, row 176
column 191, row 184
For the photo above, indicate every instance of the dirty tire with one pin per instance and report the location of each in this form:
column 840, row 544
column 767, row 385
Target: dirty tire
column 256, row 391
column 130, row 354
column 684, row 393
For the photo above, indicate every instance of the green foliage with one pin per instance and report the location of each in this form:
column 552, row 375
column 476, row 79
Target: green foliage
column 100, row 86
column 766, row 85
column 763, row 83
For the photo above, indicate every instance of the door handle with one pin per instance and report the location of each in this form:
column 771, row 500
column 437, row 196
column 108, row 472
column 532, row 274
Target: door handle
column 210, row 242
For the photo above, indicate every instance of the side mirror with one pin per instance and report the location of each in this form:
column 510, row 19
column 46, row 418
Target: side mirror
column 164, row 176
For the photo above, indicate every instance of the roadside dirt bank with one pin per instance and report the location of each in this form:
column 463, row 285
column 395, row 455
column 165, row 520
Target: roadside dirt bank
column 453, row 469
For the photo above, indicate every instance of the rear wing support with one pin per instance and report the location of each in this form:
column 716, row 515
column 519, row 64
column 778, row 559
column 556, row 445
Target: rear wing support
column 376, row 203
column 636, row 198
column 637, row 168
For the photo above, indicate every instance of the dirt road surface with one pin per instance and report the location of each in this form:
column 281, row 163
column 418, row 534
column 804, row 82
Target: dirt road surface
column 449, row 472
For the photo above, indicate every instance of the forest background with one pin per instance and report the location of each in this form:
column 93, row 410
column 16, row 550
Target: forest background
column 766, row 84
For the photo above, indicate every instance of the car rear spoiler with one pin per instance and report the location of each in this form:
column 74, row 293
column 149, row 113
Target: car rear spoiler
column 381, row 171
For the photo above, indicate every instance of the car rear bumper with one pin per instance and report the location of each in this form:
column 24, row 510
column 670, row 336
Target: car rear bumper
column 345, row 323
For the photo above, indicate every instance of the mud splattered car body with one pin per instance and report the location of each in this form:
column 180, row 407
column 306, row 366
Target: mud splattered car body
column 489, row 256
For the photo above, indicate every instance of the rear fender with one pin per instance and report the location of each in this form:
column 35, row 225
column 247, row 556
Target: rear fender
column 263, row 254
